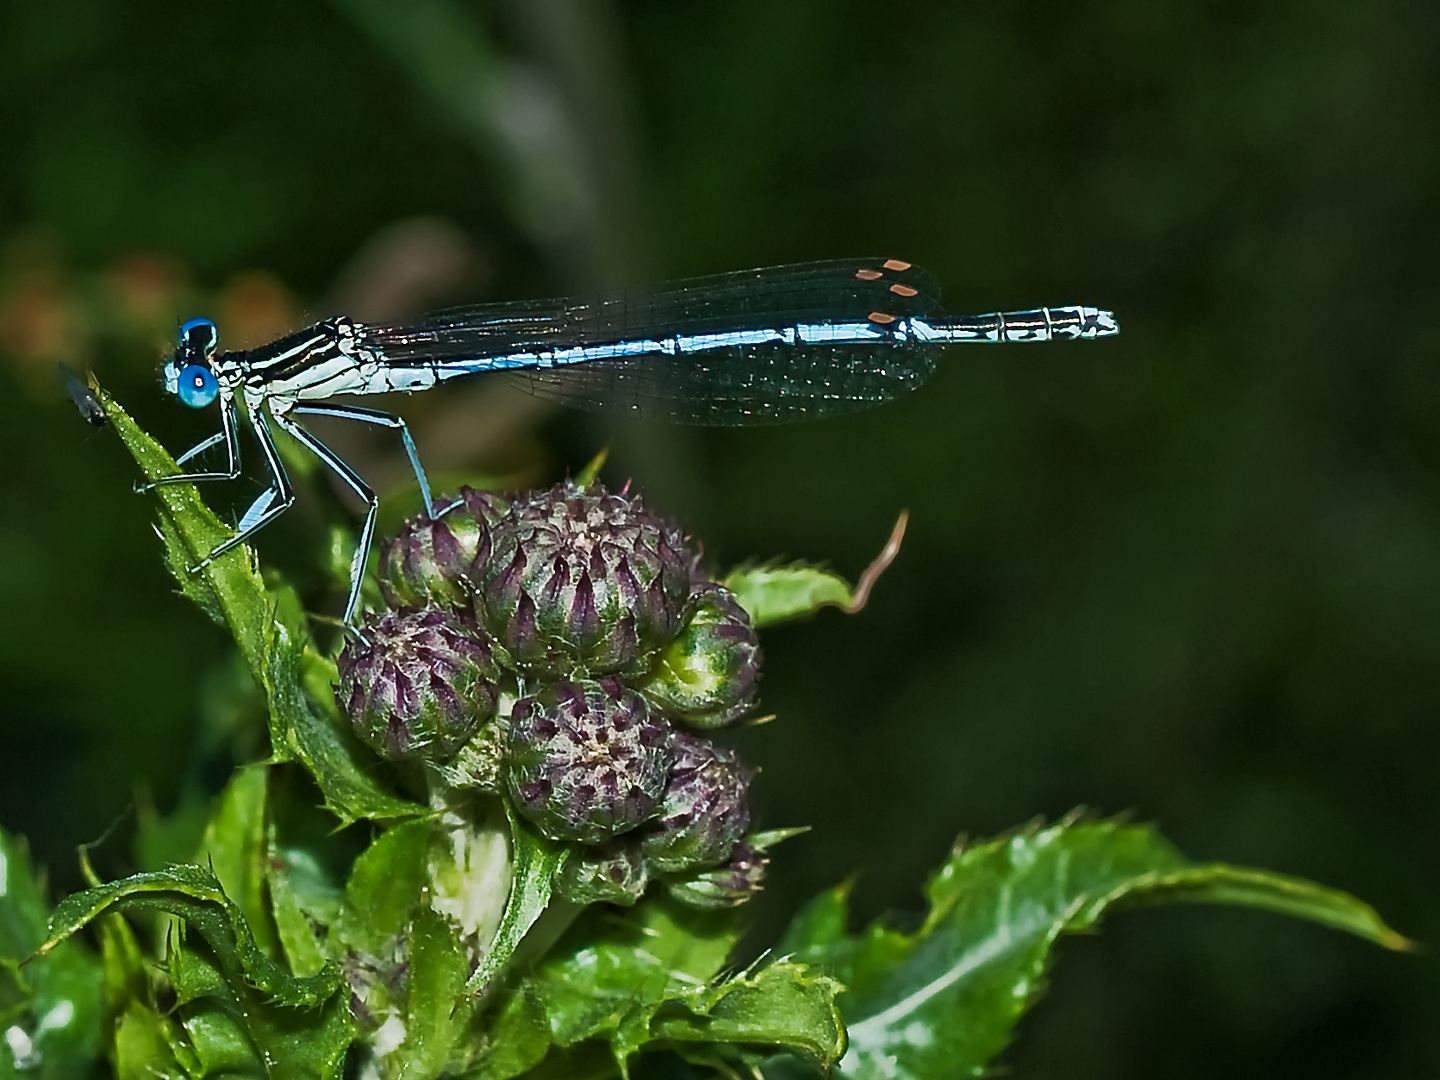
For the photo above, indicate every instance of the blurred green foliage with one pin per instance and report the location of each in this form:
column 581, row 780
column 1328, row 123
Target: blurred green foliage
column 1192, row 571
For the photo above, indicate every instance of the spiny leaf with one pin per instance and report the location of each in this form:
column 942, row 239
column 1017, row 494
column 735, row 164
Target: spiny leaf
column 268, row 625
column 229, row 589
column 783, row 1005
column 945, row 1000
column 653, row 976
column 243, row 1011
column 194, row 894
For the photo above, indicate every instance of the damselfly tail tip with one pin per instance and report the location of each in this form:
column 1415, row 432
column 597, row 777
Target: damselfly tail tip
column 1098, row 322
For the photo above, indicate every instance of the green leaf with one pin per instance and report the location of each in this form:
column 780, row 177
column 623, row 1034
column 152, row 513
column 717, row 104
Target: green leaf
column 775, row 594
column 651, row 975
column 306, row 727
column 385, row 888
column 241, row 1010
column 122, row 963
column 304, row 870
column 436, row 1013
column 591, row 472
column 944, row 1000
column 269, row 627
column 23, row 917
column 143, row 1049
column 772, row 593
column 229, row 589
column 534, row 860
column 292, row 918
column 234, row 847
column 606, row 977
column 784, row 1005
column 419, row 900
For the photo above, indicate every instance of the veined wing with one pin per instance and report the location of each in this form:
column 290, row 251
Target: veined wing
column 752, row 347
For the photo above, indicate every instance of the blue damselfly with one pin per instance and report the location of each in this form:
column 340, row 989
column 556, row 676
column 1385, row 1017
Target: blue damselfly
column 763, row 346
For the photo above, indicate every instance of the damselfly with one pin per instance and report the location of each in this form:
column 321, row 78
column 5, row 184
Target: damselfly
column 764, row 346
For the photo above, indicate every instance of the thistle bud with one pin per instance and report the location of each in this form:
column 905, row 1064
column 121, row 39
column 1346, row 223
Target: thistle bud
column 430, row 560
column 586, row 760
column 614, row 874
column 581, row 578
column 417, row 685
column 726, row 886
column 706, row 677
column 705, row 810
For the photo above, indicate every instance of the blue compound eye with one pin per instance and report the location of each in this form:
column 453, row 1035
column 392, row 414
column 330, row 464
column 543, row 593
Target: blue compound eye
column 199, row 337
column 196, row 386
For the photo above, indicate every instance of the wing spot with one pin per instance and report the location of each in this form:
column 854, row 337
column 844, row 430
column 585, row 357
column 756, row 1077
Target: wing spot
column 895, row 264
column 881, row 317
column 903, row 290
column 868, row 275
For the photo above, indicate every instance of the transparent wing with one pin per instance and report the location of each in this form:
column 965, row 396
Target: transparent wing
column 727, row 384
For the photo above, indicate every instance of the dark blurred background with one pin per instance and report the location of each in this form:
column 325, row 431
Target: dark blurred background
column 1189, row 573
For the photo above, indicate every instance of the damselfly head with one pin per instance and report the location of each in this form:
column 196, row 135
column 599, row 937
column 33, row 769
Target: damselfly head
column 187, row 374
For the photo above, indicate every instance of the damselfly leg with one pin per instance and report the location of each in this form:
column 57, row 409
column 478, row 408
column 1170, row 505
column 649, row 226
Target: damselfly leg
column 352, row 478
column 379, row 419
column 228, row 434
column 270, row 504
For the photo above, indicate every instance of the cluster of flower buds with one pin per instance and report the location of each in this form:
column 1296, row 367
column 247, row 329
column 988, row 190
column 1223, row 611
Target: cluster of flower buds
column 563, row 650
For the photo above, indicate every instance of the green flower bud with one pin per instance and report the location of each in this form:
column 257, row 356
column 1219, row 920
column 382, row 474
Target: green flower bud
column 726, row 886
column 583, row 579
column 705, row 810
column 614, row 874
column 586, row 760
column 430, row 560
column 418, row 685
column 706, row 677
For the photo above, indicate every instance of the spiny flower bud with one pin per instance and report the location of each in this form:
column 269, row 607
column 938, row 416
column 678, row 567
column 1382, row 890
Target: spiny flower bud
column 428, row 562
column 706, row 677
column 581, row 578
column 705, row 810
column 585, row 760
column 417, row 685
column 614, row 874
column 725, row 886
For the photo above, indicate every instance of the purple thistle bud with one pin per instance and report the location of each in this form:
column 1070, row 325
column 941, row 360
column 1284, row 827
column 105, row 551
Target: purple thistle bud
column 705, row 810
column 430, row 560
column 706, row 677
column 583, row 579
column 586, row 760
column 614, row 874
column 726, row 886
column 420, row 686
